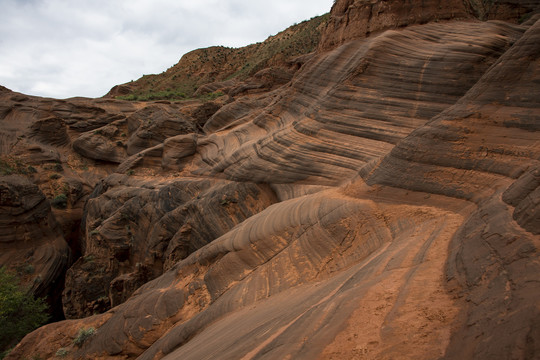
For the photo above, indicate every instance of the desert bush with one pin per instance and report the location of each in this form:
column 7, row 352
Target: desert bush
column 62, row 352
column 60, row 201
column 20, row 312
column 83, row 335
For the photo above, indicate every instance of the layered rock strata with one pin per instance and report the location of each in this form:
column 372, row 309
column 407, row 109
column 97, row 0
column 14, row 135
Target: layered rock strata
column 382, row 204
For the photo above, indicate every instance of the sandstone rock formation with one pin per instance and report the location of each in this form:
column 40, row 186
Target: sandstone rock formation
column 378, row 198
column 31, row 240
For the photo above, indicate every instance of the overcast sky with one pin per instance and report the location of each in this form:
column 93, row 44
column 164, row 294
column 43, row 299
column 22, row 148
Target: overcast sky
column 65, row 48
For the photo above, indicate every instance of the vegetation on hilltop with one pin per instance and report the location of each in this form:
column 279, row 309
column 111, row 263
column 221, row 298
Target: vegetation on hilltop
column 220, row 63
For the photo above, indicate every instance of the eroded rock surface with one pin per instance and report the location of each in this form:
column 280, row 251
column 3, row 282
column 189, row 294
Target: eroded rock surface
column 31, row 241
column 135, row 230
column 380, row 200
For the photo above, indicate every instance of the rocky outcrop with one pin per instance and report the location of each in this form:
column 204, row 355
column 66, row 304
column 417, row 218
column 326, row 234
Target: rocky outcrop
column 31, row 241
column 107, row 143
column 50, row 131
column 354, row 19
column 134, row 230
column 153, row 124
column 177, row 150
column 502, row 9
column 523, row 196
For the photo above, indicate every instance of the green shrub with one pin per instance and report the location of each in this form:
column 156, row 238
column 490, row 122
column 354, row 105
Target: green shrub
column 5, row 168
column 89, row 258
column 525, row 17
column 211, row 96
column 83, row 335
column 25, row 269
column 20, row 312
column 60, row 201
column 5, row 353
column 58, row 167
column 62, row 352
column 151, row 95
column 55, row 176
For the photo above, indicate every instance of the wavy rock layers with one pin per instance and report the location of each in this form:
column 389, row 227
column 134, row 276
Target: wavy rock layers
column 134, row 230
column 271, row 278
column 489, row 139
column 351, row 105
column 406, row 170
column 291, row 322
column 491, row 133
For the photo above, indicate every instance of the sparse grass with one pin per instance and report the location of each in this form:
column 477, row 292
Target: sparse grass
column 62, row 352
column 525, row 17
column 5, row 353
column 83, row 335
column 58, row 167
column 302, row 40
column 168, row 95
column 211, row 96
column 11, row 165
column 25, row 269
column 155, row 95
column 60, row 201
column 5, row 168
column 89, row 258
column 126, row 216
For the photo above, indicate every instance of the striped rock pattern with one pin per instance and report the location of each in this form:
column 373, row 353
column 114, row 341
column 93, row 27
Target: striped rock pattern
column 382, row 204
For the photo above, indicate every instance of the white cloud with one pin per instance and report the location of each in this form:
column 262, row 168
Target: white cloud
column 64, row 48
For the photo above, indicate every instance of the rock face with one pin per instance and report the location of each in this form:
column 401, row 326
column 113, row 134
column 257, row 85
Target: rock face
column 353, row 19
column 379, row 200
column 351, row 105
column 135, row 230
column 31, row 240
